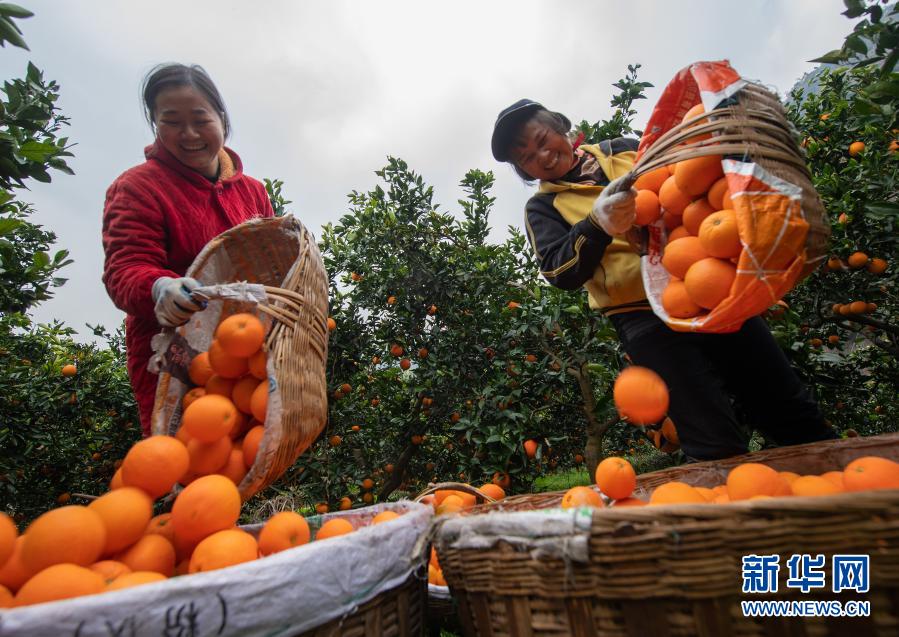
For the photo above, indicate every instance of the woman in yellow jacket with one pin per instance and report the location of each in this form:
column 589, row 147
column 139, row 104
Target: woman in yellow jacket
column 576, row 224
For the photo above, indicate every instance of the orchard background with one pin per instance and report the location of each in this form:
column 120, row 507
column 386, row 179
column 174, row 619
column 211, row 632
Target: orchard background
column 449, row 352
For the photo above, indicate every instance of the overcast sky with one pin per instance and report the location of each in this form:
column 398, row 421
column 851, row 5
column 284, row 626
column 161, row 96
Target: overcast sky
column 320, row 92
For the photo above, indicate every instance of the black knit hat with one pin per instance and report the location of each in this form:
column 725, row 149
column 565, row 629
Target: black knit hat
column 507, row 125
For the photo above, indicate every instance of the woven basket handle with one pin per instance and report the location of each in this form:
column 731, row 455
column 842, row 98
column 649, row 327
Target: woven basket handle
column 455, row 486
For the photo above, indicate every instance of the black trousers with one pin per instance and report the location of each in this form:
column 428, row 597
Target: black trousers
column 705, row 372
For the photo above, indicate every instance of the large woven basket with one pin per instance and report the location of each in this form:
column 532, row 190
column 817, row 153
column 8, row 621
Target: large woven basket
column 676, row 569
column 280, row 255
column 782, row 223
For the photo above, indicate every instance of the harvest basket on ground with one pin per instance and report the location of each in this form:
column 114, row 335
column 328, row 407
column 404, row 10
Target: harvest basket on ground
column 368, row 582
column 522, row 567
column 271, row 268
column 719, row 129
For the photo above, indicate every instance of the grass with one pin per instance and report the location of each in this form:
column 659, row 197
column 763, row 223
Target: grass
column 645, row 459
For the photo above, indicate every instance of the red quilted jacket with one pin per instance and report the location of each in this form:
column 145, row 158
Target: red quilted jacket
column 157, row 218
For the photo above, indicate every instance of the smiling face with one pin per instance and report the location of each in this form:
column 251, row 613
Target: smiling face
column 189, row 128
column 542, row 152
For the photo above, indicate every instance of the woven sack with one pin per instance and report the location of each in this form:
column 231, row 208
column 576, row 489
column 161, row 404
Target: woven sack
column 782, row 223
column 523, row 566
column 369, row 582
column 273, row 268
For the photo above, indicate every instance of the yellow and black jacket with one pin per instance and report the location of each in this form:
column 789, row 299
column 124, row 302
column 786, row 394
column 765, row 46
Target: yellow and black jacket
column 573, row 251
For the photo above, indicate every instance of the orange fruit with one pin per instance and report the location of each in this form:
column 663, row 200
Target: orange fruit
column 251, row 445
column 652, row 180
column 257, row 365
column 7, row 599
column 719, row 235
column 857, row 260
column 678, row 233
column 384, row 516
column 812, row 486
column 670, row 432
column 695, row 176
column 709, row 280
column 367, row 484
column 69, row 370
column 209, row 457
column 616, row 478
column 715, row 195
column 672, row 221
column 243, row 392
column 150, row 553
column 676, row 492
column 116, row 481
column 13, row 572
column 836, row 477
column 234, row 469
column 109, row 570
column 581, row 497
column 706, row 493
column 161, row 525
column 640, row 395
column 647, row 207
column 199, row 369
column 855, row 148
column 405, row 364
column 60, row 581
column 209, row 418
column 206, row 505
column 679, row 255
column 677, row 302
column 726, row 202
column 672, row 198
column 70, row 534
column 871, row 472
column 222, row 549
column 345, row 503
column 191, row 396
column 789, row 476
column 530, row 448
column 502, row 479
column 240, row 335
column 125, row 513
column 136, row 578
column 858, row 307
column 224, row 364
column 259, row 401
column 752, row 478
column 332, row 324
column 220, row 386
column 695, row 110
column 8, row 535
column 493, row 490
column 155, row 464
column 283, row 531
column 333, row 528
column 877, row 266
column 695, row 213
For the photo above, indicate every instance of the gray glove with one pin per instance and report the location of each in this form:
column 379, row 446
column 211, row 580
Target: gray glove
column 174, row 304
column 614, row 210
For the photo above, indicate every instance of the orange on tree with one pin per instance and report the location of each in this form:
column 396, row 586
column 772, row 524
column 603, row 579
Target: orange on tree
column 857, row 260
column 640, row 395
column 405, row 364
column 396, row 350
column 502, row 479
column 125, row 512
column 616, row 478
column 335, row 441
column 332, row 324
column 283, row 531
column 321, row 508
column 69, row 370
column 345, row 503
column 877, row 265
column 333, row 528
column 60, row 581
column 581, row 497
column 530, row 448
column 240, row 335
column 855, row 148
column 71, row 534
column 367, row 484
column 206, row 505
column 222, row 549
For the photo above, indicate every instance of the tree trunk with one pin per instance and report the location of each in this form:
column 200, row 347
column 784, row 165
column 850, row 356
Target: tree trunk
column 399, row 470
column 595, row 429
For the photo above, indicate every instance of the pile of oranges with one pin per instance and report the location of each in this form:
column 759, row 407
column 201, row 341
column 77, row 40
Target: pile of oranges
column 693, row 199
column 616, row 478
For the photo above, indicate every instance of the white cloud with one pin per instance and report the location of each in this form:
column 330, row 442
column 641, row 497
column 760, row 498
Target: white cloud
column 321, row 92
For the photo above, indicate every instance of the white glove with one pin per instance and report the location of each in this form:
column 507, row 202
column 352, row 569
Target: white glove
column 174, row 304
column 614, row 210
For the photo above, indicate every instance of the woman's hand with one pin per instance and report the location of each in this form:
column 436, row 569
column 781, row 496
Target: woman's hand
column 174, row 304
column 614, row 210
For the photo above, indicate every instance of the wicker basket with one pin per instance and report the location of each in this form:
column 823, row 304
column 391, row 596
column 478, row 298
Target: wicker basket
column 676, row 569
column 281, row 256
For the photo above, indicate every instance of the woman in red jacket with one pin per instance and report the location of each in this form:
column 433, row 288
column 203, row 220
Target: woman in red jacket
column 159, row 214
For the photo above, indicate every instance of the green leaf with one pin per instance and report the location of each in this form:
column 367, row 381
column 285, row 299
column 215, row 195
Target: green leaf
column 8, row 225
column 882, row 209
column 41, row 259
column 10, row 33
column 14, row 10
column 37, row 151
column 833, row 57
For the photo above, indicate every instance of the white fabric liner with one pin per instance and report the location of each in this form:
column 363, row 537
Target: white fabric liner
column 282, row 594
column 550, row 533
